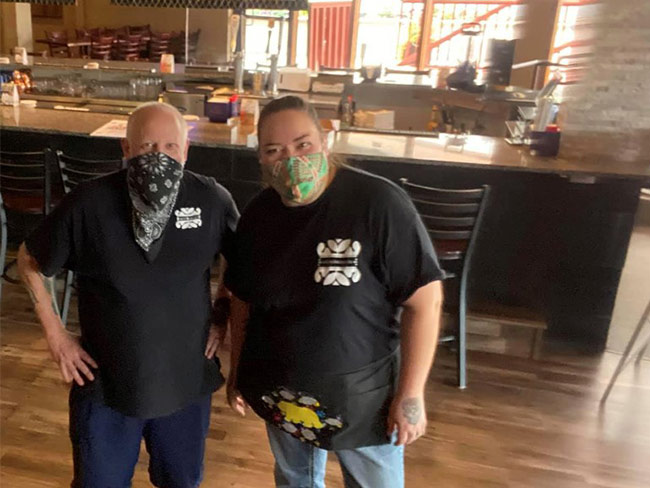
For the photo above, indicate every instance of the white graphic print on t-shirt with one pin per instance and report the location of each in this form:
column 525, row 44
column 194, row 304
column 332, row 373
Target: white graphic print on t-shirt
column 188, row 218
column 338, row 261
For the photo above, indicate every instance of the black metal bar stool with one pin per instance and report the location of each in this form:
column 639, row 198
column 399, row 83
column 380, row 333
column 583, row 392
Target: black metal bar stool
column 73, row 171
column 453, row 219
column 25, row 198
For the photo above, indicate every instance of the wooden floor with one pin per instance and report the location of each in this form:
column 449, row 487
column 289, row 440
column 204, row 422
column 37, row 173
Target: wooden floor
column 519, row 424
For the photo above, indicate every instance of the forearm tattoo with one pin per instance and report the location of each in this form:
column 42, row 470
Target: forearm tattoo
column 411, row 410
column 33, row 297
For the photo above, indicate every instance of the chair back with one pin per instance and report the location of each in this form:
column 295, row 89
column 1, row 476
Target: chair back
column 25, row 181
column 60, row 36
column 128, row 48
column 100, row 47
column 73, row 171
column 452, row 218
column 159, row 45
column 177, row 44
column 57, row 43
column 141, row 30
column 83, row 34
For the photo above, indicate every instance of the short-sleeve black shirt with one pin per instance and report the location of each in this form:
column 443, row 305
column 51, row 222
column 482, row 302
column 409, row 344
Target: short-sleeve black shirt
column 145, row 323
column 325, row 283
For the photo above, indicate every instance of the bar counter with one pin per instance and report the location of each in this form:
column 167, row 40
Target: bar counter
column 478, row 151
column 554, row 237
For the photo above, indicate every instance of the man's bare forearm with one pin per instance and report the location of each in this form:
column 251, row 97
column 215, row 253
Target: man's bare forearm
column 34, row 283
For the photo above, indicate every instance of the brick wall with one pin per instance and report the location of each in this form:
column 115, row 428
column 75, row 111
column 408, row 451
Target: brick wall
column 607, row 116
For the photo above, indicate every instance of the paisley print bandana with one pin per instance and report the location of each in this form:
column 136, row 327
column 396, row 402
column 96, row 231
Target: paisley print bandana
column 153, row 180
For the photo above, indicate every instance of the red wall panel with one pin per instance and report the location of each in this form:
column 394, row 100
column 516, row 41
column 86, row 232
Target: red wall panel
column 329, row 34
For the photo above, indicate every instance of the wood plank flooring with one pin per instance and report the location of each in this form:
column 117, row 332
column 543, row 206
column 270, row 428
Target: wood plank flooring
column 520, row 423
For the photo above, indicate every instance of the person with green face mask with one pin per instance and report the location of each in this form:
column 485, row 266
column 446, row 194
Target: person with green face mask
column 336, row 309
column 298, row 178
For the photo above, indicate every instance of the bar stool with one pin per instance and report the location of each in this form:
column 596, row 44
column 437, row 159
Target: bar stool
column 144, row 31
column 128, row 48
column 73, row 171
column 100, row 47
column 25, row 197
column 57, row 42
column 453, row 219
column 630, row 352
column 159, row 45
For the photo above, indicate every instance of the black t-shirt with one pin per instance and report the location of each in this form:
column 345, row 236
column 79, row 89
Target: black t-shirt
column 325, row 283
column 145, row 323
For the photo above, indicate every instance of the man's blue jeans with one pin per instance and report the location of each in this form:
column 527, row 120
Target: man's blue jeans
column 301, row 465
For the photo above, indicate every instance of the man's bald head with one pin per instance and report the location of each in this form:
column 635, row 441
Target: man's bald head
column 156, row 127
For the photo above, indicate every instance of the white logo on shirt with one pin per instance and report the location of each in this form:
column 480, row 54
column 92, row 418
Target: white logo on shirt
column 338, row 262
column 188, row 218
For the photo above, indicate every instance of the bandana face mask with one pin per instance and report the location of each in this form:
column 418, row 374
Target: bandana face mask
column 153, row 180
column 298, row 178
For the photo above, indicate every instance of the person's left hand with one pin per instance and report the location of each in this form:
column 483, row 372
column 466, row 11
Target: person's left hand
column 216, row 336
column 408, row 417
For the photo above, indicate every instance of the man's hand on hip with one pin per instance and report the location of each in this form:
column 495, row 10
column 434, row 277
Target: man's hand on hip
column 73, row 361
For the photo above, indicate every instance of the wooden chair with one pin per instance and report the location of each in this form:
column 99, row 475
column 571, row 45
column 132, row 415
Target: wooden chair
column 177, row 45
column 86, row 34
column 128, row 48
column 57, row 43
column 144, row 31
column 159, row 45
column 26, row 195
column 453, row 219
column 140, row 30
column 73, row 171
column 100, row 47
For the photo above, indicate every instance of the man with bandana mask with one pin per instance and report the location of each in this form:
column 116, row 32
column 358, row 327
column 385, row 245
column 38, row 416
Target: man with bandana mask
column 141, row 243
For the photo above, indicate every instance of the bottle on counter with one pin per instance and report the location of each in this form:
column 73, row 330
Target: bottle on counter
column 435, row 121
column 345, row 112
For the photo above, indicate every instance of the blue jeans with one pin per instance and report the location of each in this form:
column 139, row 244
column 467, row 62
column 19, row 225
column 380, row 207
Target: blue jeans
column 301, row 465
column 106, row 444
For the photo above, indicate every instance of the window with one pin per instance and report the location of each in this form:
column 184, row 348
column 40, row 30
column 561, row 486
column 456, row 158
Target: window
column 391, row 31
column 573, row 37
column 267, row 32
column 406, row 34
column 460, row 30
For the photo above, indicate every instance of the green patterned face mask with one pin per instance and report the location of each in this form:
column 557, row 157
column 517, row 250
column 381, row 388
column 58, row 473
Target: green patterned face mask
column 297, row 178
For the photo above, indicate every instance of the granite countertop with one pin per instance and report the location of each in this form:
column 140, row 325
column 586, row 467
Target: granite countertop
column 477, row 151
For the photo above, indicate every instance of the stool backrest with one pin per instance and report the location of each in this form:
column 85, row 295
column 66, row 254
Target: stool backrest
column 57, row 42
column 75, row 170
column 159, row 45
column 140, row 30
column 60, row 36
column 129, row 47
column 25, row 181
column 452, row 218
column 101, row 46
